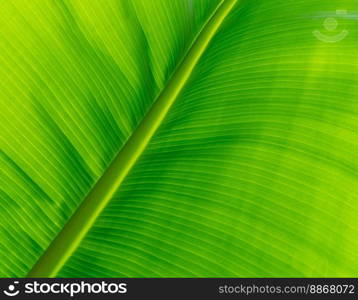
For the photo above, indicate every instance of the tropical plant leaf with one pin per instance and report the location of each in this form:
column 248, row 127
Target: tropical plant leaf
column 210, row 138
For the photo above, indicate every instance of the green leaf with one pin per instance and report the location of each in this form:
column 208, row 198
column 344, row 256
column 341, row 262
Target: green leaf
column 179, row 138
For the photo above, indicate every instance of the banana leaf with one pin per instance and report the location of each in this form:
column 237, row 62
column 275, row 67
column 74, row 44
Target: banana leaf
column 181, row 138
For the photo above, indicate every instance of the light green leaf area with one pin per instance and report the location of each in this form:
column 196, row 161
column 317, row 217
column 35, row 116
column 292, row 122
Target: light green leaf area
column 76, row 77
column 253, row 172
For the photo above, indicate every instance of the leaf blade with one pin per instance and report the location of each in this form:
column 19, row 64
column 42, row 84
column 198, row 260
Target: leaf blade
column 80, row 223
column 254, row 171
column 76, row 78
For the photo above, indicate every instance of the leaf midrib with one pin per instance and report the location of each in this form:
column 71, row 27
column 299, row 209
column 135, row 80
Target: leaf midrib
column 70, row 237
